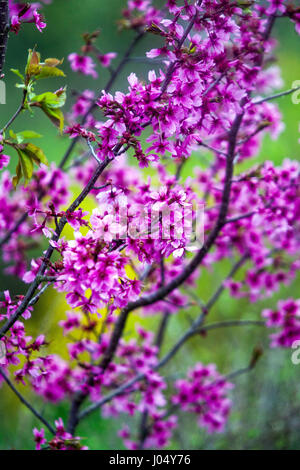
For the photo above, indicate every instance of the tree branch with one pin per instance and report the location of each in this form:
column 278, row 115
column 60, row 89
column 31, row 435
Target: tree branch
column 34, row 285
column 240, row 217
column 162, row 292
column 26, row 403
column 19, row 110
column 4, row 29
column 182, row 340
column 229, row 323
column 277, row 95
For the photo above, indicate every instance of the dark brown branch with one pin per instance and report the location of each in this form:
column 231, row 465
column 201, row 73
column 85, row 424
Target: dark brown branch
column 4, row 29
column 240, row 217
column 26, row 403
column 277, row 95
column 190, row 268
column 19, row 110
column 167, row 289
column 173, row 351
column 230, row 323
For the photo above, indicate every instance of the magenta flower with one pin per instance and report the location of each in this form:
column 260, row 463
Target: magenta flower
column 4, row 160
column 206, row 103
column 286, row 318
column 83, row 64
column 38, row 19
column 39, row 438
column 15, row 24
column 105, row 59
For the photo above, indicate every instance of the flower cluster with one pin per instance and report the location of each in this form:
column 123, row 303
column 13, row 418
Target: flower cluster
column 26, row 13
column 83, row 64
column 92, row 276
column 204, row 393
column 20, row 348
column 263, row 222
column 31, row 199
column 287, row 319
column 4, row 159
column 62, row 440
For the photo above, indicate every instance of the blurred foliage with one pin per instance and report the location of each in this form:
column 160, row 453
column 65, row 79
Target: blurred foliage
column 266, row 401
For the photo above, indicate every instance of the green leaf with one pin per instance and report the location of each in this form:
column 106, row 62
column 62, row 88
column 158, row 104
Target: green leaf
column 16, row 179
column 46, row 72
column 12, row 134
column 37, row 69
column 19, row 137
column 18, row 73
column 52, row 62
column 28, row 155
column 52, row 100
column 35, row 153
column 26, row 165
column 50, row 104
column 56, row 116
column 20, row 85
column 33, row 61
column 28, row 135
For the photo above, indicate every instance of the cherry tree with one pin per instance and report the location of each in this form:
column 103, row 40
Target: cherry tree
column 210, row 91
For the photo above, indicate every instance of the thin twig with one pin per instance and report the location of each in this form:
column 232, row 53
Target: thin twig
column 277, row 95
column 93, row 152
column 213, row 149
column 172, row 66
column 26, row 403
column 229, row 323
column 4, row 29
column 240, row 217
column 19, row 110
column 34, row 299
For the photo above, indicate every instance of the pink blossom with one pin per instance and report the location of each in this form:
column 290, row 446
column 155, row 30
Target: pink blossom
column 83, row 64
column 39, row 438
column 105, row 59
column 38, row 19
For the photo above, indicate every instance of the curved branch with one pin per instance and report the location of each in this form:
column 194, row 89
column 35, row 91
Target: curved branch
column 19, row 110
column 194, row 263
column 229, row 323
column 194, row 328
column 277, row 95
column 26, row 403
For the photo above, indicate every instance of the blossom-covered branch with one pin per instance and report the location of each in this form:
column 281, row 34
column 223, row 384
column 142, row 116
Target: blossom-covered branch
column 164, row 200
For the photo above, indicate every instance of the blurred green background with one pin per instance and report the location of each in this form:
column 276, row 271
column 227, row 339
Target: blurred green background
column 266, row 411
